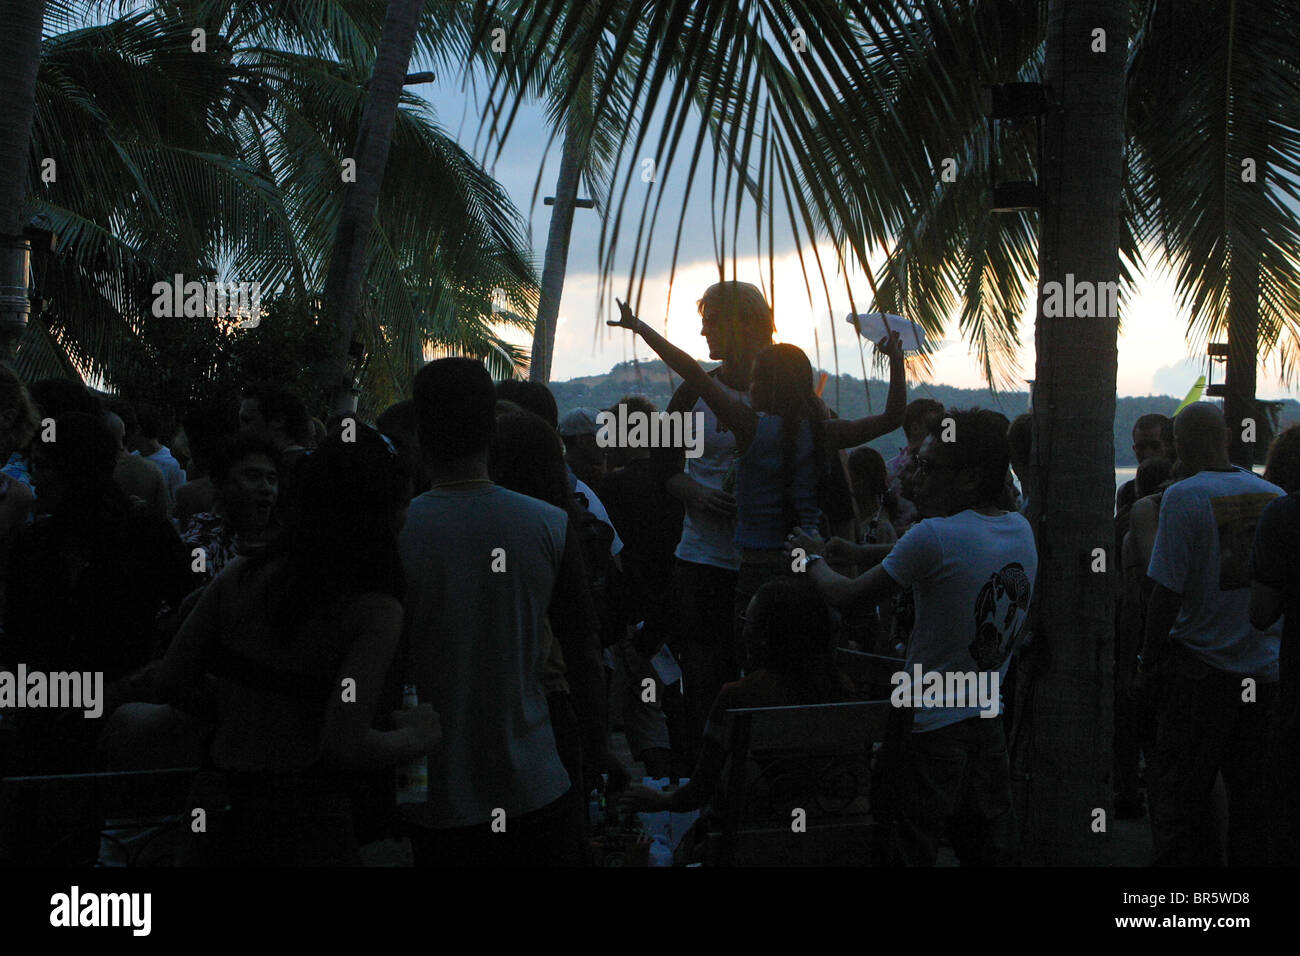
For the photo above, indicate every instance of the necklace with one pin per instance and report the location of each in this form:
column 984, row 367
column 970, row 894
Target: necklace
column 463, row 481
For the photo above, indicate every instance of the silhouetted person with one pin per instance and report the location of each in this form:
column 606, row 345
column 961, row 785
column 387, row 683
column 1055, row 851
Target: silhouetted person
column 147, row 442
column 246, row 482
column 206, row 428
column 1200, row 648
column 288, row 653
column 485, row 567
column 87, row 579
column 1275, row 590
column 137, row 476
column 973, row 566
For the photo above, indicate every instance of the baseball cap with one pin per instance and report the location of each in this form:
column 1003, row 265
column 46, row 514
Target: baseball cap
column 579, row 421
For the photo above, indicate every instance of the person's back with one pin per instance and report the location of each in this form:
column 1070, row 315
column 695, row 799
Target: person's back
column 142, row 479
column 760, row 504
column 1213, row 674
column 1203, row 552
column 484, row 568
column 973, row 575
column 481, row 564
column 171, row 468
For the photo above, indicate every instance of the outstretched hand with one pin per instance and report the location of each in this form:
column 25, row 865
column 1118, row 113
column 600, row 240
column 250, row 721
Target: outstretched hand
column 891, row 345
column 626, row 319
column 810, row 543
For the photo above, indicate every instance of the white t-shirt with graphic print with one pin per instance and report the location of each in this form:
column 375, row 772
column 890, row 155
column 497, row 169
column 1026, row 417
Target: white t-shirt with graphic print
column 972, row 576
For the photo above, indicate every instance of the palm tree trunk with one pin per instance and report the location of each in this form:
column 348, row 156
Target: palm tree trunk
column 1243, row 347
column 343, row 281
column 1061, row 755
column 572, row 159
column 20, row 58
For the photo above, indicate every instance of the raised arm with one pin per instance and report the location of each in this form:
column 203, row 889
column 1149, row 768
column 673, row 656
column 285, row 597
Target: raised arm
column 735, row 415
column 842, row 433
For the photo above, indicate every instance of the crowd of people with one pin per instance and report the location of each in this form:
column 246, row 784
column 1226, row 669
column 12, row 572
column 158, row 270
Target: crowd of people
column 278, row 588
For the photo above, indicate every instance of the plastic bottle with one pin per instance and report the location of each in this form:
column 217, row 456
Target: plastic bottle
column 412, row 777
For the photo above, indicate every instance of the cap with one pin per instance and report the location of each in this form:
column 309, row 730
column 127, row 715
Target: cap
column 579, row 421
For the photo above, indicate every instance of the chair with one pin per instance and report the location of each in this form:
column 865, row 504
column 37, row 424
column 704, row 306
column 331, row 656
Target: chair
column 59, row 818
column 815, row 758
column 871, row 674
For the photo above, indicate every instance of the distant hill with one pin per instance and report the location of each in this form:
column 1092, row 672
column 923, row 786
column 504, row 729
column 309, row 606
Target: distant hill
column 652, row 380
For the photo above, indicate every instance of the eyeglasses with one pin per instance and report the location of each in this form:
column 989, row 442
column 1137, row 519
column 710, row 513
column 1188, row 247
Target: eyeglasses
column 925, row 466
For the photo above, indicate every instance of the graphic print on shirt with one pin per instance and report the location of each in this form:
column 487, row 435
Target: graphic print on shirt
column 1001, row 610
column 1236, row 516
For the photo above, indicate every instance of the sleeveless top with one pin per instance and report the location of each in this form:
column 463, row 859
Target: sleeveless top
column 760, row 518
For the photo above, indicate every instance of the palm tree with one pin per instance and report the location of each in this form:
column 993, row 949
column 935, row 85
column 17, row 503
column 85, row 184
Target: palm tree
column 343, row 281
column 228, row 166
column 851, row 130
column 1062, row 763
column 20, row 50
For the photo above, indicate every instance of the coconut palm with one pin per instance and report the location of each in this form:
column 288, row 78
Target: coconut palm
column 229, row 165
column 845, row 115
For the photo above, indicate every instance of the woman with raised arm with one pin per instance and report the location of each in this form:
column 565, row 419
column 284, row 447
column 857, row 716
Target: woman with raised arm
column 783, row 446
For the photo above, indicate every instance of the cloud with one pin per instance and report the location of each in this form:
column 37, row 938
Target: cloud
column 1177, row 378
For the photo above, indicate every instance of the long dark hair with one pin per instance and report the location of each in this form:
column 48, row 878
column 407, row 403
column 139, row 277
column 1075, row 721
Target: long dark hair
column 527, row 457
column 338, row 538
column 787, row 374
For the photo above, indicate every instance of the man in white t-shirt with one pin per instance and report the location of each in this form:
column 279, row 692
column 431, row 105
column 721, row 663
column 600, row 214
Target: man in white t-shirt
column 972, row 566
column 1213, row 674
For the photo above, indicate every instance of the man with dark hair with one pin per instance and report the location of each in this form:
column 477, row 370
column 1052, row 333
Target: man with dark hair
column 534, row 396
column 918, row 417
column 1213, row 674
column 485, row 568
column 245, row 483
column 141, row 479
column 399, row 425
column 277, row 414
column 57, row 397
column 1020, row 436
column 1152, row 437
column 973, row 566
column 207, row 428
column 147, row 443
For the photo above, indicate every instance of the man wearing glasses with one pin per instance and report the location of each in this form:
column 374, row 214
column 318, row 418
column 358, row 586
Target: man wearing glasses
column 972, row 566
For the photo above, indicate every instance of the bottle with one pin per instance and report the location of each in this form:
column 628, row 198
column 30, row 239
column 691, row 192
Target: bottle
column 412, row 777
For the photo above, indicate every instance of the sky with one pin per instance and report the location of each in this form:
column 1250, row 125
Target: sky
column 1154, row 357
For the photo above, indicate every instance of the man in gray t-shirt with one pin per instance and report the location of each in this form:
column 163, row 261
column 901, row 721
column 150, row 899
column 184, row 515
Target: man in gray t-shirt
column 484, row 569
